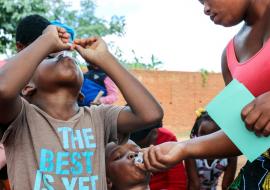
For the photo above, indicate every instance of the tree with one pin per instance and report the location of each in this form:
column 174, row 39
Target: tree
column 84, row 20
column 204, row 75
column 137, row 62
column 10, row 13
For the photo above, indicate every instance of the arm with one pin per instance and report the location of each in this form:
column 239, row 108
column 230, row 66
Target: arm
column 229, row 173
column 144, row 109
column 166, row 155
column 18, row 71
column 112, row 94
column 192, row 175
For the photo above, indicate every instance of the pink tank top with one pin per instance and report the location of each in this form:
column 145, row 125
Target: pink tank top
column 253, row 73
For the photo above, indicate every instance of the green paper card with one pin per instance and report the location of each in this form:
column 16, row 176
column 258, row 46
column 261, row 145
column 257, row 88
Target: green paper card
column 225, row 109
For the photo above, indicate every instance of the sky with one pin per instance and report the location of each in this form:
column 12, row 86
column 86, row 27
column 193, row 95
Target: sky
column 176, row 31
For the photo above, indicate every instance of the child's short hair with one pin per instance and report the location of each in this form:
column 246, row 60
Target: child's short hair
column 30, row 28
column 203, row 116
column 90, row 66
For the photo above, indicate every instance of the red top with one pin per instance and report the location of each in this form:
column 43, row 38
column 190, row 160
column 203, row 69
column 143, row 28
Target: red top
column 253, row 73
column 173, row 179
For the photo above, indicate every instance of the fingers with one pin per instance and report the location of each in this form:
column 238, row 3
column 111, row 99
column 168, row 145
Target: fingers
column 85, row 42
column 246, row 110
column 152, row 161
column 141, row 166
column 79, row 49
column 64, row 40
column 64, row 35
column 256, row 115
column 60, row 29
column 261, row 122
column 251, row 118
column 145, row 159
column 266, row 130
column 160, row 161
column 250, row 115
column 66, row 46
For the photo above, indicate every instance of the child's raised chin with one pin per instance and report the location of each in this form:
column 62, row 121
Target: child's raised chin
column 55, row 75
column 121, row 170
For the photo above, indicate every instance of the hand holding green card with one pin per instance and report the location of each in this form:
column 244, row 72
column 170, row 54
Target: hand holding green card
column 225, row 109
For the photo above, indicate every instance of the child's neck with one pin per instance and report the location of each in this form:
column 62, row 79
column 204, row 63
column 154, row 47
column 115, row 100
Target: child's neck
column 60, row 105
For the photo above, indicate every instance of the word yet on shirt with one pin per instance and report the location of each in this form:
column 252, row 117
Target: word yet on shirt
column 73, row 167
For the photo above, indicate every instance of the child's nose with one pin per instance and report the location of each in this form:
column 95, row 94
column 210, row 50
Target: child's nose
column 206, row 9
column 132, row 155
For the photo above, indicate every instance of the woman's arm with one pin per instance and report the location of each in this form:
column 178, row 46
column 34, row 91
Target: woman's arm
column 166, row 155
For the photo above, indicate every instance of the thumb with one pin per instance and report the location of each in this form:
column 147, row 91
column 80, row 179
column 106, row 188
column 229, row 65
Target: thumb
column 80, row 50
column 66, row 46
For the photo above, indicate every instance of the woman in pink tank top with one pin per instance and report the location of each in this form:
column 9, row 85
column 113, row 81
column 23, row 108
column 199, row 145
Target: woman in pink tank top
column 247, row 59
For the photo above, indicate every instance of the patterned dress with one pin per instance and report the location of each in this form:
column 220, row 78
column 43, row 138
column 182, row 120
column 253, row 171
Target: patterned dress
column 209, row 174
column 254, row 175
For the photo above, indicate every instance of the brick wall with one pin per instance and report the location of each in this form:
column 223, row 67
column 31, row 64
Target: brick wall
column 180, row 94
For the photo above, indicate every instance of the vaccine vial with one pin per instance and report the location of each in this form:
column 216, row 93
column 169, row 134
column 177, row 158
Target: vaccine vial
column 139, row 158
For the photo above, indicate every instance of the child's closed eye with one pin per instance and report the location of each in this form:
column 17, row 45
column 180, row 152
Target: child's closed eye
column 117, row 157
column 50, row 57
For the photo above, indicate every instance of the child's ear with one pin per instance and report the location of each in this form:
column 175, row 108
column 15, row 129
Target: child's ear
column 80, row 97
column 28, row 90
column 109, row 183
column 19, row 46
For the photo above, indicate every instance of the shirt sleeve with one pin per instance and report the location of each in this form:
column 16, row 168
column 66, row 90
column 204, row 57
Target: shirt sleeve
column 15, row 125
column 109, row 114
column 112, row 92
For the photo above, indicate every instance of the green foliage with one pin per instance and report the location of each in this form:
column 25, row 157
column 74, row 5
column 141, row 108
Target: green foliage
column 84, row 20
column 10, row 13
column 138, row 63
column 204, row 75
